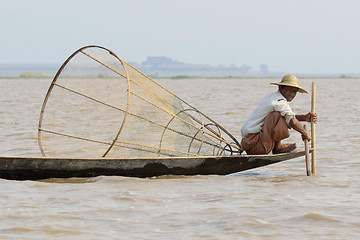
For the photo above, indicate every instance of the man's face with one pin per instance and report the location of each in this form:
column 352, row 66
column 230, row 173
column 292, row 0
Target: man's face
column 289, row 92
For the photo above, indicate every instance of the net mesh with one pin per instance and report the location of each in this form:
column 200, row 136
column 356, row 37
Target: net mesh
column 100, row 106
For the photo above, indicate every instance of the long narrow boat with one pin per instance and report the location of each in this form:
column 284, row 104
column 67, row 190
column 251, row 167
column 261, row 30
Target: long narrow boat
column 36, row 168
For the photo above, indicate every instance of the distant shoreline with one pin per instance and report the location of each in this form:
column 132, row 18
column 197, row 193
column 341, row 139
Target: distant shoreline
column 30, row 75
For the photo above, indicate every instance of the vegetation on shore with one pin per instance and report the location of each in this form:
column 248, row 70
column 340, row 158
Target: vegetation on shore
column 34, row 75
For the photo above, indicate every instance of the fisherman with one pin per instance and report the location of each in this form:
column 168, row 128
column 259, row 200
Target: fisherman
column 269, row 123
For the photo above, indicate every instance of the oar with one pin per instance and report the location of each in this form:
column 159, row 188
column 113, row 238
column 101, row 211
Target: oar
column 307, row 156
column 313, row 137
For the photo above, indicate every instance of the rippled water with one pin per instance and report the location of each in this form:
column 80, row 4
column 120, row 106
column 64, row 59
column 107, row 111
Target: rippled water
column 273, row 202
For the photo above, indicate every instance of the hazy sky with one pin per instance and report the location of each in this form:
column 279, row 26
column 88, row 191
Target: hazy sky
column 295, row 36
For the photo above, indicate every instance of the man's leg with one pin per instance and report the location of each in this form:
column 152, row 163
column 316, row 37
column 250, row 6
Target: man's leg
column 283, row 148
column 274, row 130
column 280, row 132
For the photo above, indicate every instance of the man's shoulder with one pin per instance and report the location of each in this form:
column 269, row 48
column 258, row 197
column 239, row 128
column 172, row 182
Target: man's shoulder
column 274, row 96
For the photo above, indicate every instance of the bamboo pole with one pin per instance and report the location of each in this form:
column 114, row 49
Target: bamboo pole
column 313, row 140
column 307, row 156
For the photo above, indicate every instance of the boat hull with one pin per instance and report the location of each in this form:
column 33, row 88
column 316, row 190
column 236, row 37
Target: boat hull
column 36, row 168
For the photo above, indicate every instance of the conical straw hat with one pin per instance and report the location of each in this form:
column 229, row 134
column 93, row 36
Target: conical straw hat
column 291, row 81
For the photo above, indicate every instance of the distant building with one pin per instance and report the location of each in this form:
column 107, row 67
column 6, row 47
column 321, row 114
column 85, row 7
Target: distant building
column 159, row 61
column 264, row 69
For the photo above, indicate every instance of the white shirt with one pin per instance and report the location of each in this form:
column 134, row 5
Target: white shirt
column 272, row 102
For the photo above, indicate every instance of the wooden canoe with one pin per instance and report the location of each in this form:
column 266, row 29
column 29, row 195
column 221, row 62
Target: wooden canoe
column 36, row 168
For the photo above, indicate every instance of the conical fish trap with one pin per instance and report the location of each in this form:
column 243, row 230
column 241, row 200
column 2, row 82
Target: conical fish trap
column 100, row 106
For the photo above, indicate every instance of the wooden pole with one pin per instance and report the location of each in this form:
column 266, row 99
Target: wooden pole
column 313, row 137
column 307, row 156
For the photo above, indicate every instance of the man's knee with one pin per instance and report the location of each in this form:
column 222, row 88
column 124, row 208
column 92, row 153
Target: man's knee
column 275, row 115
column 272, row 119
column 277, row 126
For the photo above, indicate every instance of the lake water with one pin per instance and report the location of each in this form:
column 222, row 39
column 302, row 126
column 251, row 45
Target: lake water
column 274, row 202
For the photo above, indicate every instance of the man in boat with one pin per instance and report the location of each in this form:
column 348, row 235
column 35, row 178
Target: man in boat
column 269, row 123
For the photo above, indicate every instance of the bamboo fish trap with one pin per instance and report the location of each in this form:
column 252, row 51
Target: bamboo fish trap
column 100, row 106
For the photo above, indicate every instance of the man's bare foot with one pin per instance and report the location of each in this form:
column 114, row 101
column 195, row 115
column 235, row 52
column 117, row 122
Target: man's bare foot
column 284, row 148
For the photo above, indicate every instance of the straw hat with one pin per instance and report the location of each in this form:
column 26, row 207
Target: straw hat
column 291, row 81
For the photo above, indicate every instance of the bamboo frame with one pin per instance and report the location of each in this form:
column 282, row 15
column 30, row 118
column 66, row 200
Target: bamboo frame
column 116, row 144
column 122, row 110
column 222, row 128
column 128, row 96
column 47, row 98
column 126, row 76
column 182, row 120
column 237, row 146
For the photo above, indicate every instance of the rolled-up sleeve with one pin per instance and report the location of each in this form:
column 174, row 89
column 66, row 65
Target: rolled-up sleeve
column 284, row 108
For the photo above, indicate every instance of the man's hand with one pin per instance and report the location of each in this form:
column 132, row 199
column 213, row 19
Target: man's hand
column 311, row 117
column 306, row 135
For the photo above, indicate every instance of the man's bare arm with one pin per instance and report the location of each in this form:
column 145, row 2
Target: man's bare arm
column 296, row 125
column 309, row 117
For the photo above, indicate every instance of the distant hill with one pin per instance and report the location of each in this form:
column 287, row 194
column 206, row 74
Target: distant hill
column 164, row 66
column 160, row 66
